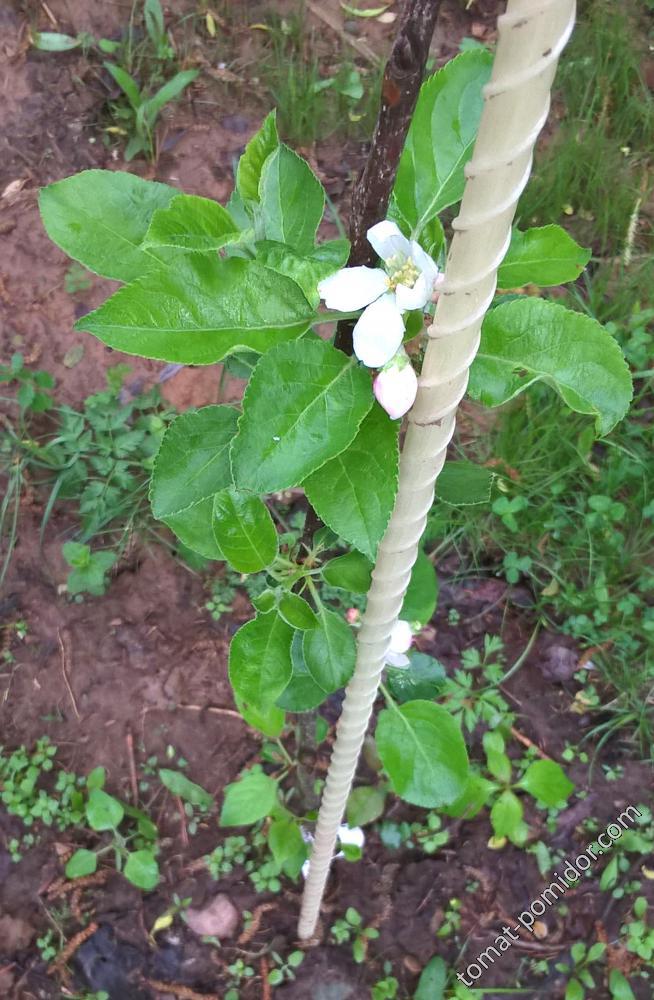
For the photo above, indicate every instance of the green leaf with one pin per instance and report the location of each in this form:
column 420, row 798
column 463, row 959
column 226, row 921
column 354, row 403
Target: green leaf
column 154, row 20
column 330, row 651
column 191, row 223
column 433, row 980
column 365, row 805
column 142, row 870
column 547, row 781
column 422, row 594
column 194, row 528
column 193, row 459
column 201, row 310
column 126, row 83
column 463, row 484
column 100, row 218
column 96, row 778
column 351, row 572
column 305, row 269
column 257, row 151
column 149, row 109
column 354, row 493
column 270, row 722
column 76, row 554
column 574, row 990
column 244, row 530
column 475, row 796
column 292, row 200
column 295, row 393
column 285, row 840
column 544, row 256
column 103, row 811
column 296, row 612
column 144, row 824
column 180, row 786
column 619, row 986
column 506, row 814
column 260, row 660
column 422, row 750
column 248, row 800
column 81, row 863
column 441, row 138
column 302, row 694
column 423, row 678
column 54, row 41
column 529, row 339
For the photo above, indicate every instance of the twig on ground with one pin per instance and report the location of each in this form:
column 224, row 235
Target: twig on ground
column 58, row 967
column 63, row 886
column 182, row 821
column 176, row 989
column 526, row 742
column 258, row 913
column 64, row 670
column 266, row 991
column 129, row 739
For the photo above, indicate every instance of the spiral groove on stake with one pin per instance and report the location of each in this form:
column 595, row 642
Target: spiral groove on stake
column 531, row 37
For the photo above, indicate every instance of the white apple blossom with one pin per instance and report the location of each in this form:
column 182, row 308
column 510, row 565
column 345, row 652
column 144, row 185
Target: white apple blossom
column 348, row 835
column 406, row 282
column 396, row 385
column 400, row 642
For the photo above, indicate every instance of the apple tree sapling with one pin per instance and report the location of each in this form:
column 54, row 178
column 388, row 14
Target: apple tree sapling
column 204, row 283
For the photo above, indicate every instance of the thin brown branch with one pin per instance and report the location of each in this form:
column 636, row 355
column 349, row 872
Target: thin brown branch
column 401, row 84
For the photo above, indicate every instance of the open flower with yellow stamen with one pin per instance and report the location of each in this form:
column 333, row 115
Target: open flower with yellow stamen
column 406, row 282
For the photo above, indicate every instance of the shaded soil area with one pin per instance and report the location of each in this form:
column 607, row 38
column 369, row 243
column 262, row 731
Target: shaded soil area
column 116, row 681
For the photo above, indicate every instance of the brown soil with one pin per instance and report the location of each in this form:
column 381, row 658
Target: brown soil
column 144, row 667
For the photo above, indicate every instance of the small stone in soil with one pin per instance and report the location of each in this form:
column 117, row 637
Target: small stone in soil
column 219, row 918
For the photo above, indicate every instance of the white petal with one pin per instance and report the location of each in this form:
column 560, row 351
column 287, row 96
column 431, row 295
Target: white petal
column 398, row 660
column 413, row 298
column 386, row 240
column 424, row 263
column 401, row 636
column 378, row 332
column 395, row 390
column 351, row 835
column 353, row 288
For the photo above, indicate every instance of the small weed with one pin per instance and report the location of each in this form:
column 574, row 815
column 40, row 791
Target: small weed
column 48, row 950
column 316, row 96
column 544, row 780
column 473, row 703
column 97, row 459
column 239, row 974
column 284, row 967
column 451, row 919
column 350, row 929
column 581, row 976
column 386, row 988
column 427, row 836
column 639, row 935
column 140, row 67
column 89, row 569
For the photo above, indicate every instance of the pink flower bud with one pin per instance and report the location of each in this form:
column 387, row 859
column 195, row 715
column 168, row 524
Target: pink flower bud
column 396, row 386
column 352, row 615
